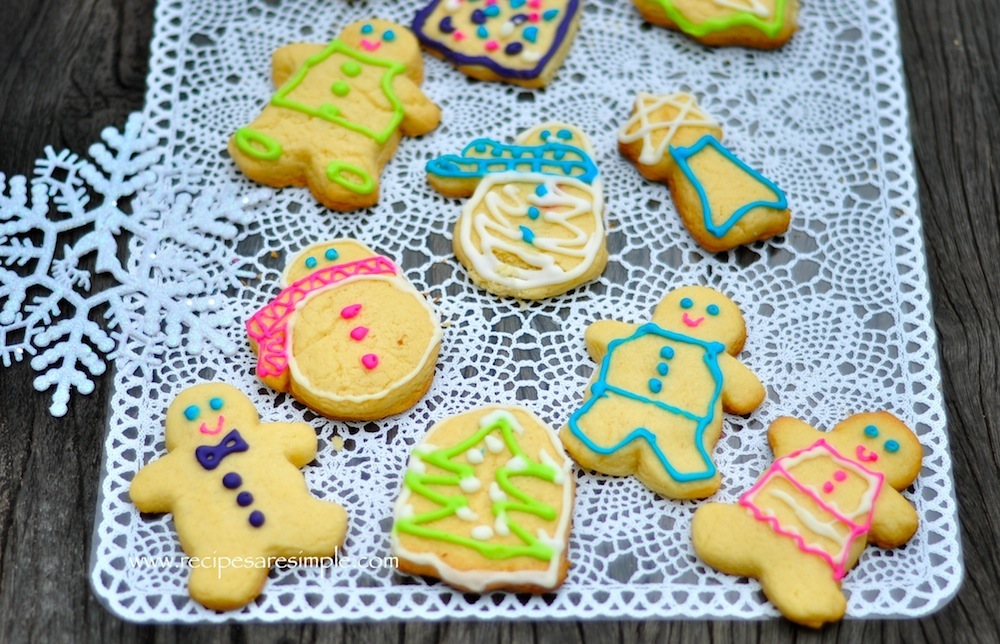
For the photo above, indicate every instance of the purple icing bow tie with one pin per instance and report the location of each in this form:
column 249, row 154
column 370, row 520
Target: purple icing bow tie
column 209, row 456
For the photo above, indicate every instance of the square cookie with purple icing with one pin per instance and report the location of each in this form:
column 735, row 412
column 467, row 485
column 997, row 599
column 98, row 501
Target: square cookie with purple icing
column 522, row 42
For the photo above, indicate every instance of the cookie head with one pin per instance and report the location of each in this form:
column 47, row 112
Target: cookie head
column 321, row 255
column 383, row 39
column 204, row 414
column 881, row 443
column 703, row 313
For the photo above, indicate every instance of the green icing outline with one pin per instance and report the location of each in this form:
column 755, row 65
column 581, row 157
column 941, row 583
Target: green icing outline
column 245, row 138
column 334, row 170
column 393, row 68
column 417, row 483
column 739, row 19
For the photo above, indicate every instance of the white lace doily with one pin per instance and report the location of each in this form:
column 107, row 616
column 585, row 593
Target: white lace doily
column 838, row 309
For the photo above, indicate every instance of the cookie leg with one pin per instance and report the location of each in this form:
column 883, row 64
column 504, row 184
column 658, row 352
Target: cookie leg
column 728, row 538
column 674, row 462
column 344, row 183
column 225, row 582
column 593, row 438
column 317, row 532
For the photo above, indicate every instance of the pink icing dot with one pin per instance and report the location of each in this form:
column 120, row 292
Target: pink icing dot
column 839, row 475
column 349, row 312
column 369, row 360
column 828, row 487
column 490, row 2
column 534, row 4
column 359, row 332
column 458, row 35
column 491, row 45
column 533, row 16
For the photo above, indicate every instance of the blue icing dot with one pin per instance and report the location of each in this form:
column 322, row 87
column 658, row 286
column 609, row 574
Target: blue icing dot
column 310, row 262
column 533, row 212
column 482, row 32
column 655, row 385
column 667, row 353
column 891, row 446
column 192, row 412
column 445, row 25
column 558, row 155
column 550, row 15
column 713, row 309
column 256, row 518
column 517, row 4
column 367, row 29
column 871, row 431
column 480, row 147
column 244, row 499
column 478, row 17
column 331, row 254
column 492, row 11
column 541, row 191
column 565, row 135
column 215, row 403
column 513, row 48
column 662, row 368
column 527, row 234
column 686, row 303
column 544, row 135
column 531, row 34
column 389, row 35
column 232, row 480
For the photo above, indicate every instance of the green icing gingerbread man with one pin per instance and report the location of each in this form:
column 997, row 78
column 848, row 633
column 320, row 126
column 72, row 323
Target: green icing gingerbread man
column 339, row 114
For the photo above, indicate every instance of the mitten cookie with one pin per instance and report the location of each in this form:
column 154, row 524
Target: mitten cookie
column 339, row 113
column 721, row 200
column 348, row 335
column 238, row 498
column 487, row 503
column 804, row 524
column 522, row 42
column 654, row 407
column 534, row 226
column 763, row 24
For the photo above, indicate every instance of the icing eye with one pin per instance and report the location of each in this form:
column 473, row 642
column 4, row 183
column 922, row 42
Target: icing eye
column 192, row 412
column 310, row 262
column 331, row 254
column 545, row 135
column 871, row 431
column 565, row 135
column 215, row 403
column 891, row 446
column 389, row 35
column 367, row 29
column 713, row 309
column 687, row 303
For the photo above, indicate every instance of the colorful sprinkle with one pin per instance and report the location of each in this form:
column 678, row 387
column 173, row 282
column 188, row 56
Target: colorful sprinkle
column 527, row 234
column 506, row 29
column 256, row 518
column 192, row 412
column 459, row 36
column 533, row 212
column 359, row 332
column 232, row 480
column 531, row 34
column 493, row 11
column 534, row 4
column 492, row 45
column 349, row 312
column 369, row 360
column 482, row 32
column 517, row 4
column 478, row 17
column 331, row 254
column 445, row 25
column 550, row 15
column 533, row 16
column 655, row 385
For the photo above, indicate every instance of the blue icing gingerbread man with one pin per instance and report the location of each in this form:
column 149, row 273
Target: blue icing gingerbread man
column 238, row 499
column 655, row 406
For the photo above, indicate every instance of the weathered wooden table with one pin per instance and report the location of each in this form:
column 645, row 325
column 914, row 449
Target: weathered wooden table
column 70, row 68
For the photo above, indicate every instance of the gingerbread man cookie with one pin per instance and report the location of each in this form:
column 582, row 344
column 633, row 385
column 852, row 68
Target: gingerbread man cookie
column 534, row 226
column 763, row 24
column 523, row 42
column 348, row 335
column 805, row 523
column 721, row 200
column 339, row 114
column 487, row 503
column 238, row 499
column 655, row 405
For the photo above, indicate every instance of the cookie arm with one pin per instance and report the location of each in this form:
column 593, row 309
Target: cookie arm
column 894, row 520
column 602, row 332
column 742, row 391
column 286, row 60
column 297, row 440
column 420, row 114
column 151, row 489
column 788, row 434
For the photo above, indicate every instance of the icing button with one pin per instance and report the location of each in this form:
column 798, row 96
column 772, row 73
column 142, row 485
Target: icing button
column 369, row 360
column 244, row 499
column 256, row 518
column 232, row 480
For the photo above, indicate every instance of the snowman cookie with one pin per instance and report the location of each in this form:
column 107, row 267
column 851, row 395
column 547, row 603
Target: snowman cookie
column 721, row 200
column 534, row 225
column 805, row 523
column 762, row 24
column 487, row 503
column 655, row 405
column 338, row 115
column 523, row 42
column 348, row 335
column 239, row 502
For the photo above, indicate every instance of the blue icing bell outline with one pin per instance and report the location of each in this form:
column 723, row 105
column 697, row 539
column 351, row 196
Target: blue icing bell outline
column 682, row 155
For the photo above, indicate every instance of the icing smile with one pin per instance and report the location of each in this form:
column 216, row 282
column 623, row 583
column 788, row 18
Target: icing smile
column 218, row 426
column 865, row 456
column 692, row 323
column 369, row 45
